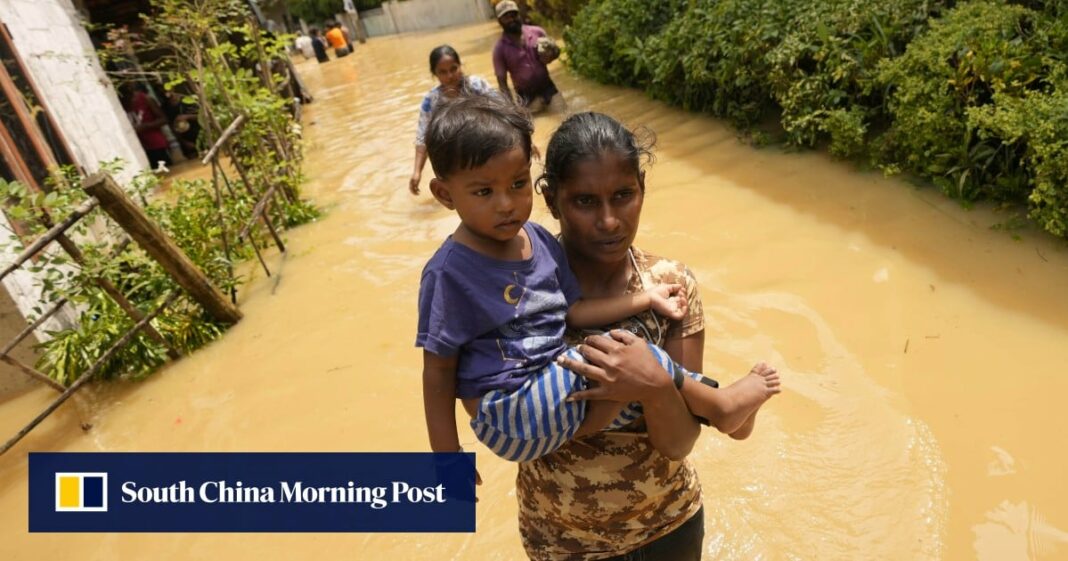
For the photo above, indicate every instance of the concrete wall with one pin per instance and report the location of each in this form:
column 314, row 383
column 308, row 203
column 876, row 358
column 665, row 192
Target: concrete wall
column 25, row 291
column 59, row 56
column 12, row 380
column 60, row 59
column 419, row 15
column 377, row 22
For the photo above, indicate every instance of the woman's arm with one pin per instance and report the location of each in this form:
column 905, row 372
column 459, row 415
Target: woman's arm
column 626, row 370
column 688, row 351
column 417, row 173
column 439, row 401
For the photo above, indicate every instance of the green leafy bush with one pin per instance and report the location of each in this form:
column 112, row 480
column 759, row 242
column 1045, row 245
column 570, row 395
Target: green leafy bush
column 555, row 12
column 822, row 73
column 605, row 41
column 1035, row 125
column 978, row 53
column 189, row 215
column 712, row 57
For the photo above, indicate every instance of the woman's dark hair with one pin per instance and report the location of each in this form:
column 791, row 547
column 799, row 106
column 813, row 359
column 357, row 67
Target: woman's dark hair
column 586, row 136
column 442, row 51
column 466, row 132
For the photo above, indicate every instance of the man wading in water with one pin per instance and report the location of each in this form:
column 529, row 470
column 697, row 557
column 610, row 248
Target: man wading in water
column 523, row 51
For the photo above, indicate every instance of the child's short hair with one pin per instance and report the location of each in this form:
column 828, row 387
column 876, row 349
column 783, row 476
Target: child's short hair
column 585, row 136
column 467, row 132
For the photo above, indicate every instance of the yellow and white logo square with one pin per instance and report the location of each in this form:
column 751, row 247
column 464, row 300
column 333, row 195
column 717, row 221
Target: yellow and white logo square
column 81, row 492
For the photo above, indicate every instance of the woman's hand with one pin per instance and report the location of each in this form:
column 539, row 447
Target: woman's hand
column 669, row 300
column 413, row 183
column 623, row 366
column 626, row 370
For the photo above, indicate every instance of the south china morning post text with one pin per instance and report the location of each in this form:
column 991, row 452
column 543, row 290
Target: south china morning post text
column 210, row 492
column 251, row 492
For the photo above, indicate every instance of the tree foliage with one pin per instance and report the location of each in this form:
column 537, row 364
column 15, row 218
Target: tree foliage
column 316, row 11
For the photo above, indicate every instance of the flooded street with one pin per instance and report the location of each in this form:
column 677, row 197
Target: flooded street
column 923, row 353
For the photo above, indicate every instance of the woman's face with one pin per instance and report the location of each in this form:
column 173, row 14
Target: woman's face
column 599, row 208
column 449, row 73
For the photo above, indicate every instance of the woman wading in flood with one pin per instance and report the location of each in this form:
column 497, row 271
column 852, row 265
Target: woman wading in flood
column 445, row 66
column 627, row 494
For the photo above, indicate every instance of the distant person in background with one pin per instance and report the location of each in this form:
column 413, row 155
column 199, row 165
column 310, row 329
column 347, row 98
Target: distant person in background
column 148, row 120
column 304, row 45
column 318, row 45
column 337, row 40
column 523, row 51
column 445, row 66
column 184, row 122
column 348, row 37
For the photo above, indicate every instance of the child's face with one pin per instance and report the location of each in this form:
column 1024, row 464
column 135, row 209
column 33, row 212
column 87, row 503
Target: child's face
column 599, row 208
column 448, row 72
column 493, row 200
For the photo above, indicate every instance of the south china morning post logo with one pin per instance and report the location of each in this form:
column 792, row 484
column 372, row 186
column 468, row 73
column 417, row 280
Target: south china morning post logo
column 81, row 492
column 251, row 492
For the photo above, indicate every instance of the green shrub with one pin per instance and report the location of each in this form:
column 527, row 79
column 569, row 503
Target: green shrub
column 822, row 73
column 712, row 57
column 1035, row 125
column 555, row 12
column 605, row 41
column 978, row 53
column 189, row 215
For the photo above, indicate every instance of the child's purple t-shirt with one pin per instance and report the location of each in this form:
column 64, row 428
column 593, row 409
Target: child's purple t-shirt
column 506, row 319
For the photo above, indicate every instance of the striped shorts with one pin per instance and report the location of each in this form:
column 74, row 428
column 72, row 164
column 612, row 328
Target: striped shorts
column 535, row 419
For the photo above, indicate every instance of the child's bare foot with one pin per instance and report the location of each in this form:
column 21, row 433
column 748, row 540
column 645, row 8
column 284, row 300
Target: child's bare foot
column 745, row 397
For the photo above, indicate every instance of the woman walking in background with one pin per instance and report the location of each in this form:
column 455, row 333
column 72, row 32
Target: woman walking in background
column 445, row 66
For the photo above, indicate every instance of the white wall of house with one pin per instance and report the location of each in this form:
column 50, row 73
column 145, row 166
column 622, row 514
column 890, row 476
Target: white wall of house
column 59, row 56
column 419, row 15
column 25, row 289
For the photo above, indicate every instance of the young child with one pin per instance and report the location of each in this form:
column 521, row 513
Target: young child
column 495, row 299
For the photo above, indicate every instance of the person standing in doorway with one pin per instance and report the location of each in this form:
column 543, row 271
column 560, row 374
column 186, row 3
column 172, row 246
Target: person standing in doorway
column 523, row 51
column 148, row 120
column 183, row 120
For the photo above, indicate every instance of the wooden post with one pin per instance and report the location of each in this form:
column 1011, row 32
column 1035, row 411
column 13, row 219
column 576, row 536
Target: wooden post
column 32, row 373
column 88, row 374
column 49, row 236
column 148, row 235
column 223, row 139
column 222, row 227
column 26, row 333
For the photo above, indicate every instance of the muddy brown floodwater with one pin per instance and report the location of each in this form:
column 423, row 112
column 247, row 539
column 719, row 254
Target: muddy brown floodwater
column 923, row 353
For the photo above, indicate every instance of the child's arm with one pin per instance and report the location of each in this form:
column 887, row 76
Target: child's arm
column 439, row 401
column 666, row 299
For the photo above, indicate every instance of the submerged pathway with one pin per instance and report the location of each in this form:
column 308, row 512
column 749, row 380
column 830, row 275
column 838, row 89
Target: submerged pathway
column 923, row 353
